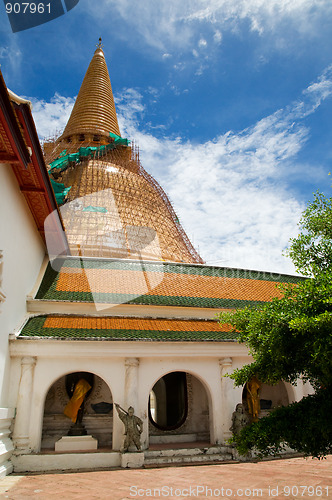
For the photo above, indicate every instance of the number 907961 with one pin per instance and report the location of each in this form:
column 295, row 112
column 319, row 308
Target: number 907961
column 28, row 8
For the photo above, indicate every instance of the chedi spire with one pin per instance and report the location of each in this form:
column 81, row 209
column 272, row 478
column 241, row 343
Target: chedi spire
column 113, row 208
column 94, row 111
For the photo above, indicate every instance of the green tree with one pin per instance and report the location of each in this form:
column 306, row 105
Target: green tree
column 291, row 338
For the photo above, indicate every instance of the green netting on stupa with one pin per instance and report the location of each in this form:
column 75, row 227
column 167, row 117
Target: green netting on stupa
column 64, row 160
column 60, row 191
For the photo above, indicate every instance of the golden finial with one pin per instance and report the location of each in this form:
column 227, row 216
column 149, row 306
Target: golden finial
column 100, row 45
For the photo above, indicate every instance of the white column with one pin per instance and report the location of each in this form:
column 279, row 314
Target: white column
column 226, row 387
column 128, row 396
column 131, row 383
column 2, row 295
column 131, row 395
column 21, row 436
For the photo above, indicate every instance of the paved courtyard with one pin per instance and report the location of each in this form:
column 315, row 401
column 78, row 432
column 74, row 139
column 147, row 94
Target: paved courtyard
column 294, row 478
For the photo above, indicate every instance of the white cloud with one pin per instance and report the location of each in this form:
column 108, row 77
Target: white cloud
column 202, row 43
column 232, row 196
column 51, row 117
column 217, row 37
column 11, row 58
column 313, row 96
column 319, row 91
column 174, row 24
column 129, row 109
column 231, row 193
column 4, row 52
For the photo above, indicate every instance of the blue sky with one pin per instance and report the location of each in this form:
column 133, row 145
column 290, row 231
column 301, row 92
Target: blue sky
column 229, row 101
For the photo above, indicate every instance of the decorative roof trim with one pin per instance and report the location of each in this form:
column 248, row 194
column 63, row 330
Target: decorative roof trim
column 77, row 328
column 17, row 99
column 25, row 156
column 11, row 126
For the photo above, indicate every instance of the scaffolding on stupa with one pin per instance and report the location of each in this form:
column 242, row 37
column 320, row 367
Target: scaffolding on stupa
column 114, row 208
column 111, row 207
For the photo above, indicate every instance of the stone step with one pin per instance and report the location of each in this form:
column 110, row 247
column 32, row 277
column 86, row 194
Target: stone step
column 188, row 451
column 187, row 459
column 42, row 462
column 188, row 455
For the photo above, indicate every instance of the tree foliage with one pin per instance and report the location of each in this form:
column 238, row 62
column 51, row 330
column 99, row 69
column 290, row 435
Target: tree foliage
column 291, row 338
column 304, row 426
column 311, row 251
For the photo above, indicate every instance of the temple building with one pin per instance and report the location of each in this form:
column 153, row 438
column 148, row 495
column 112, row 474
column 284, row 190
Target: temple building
column 104, row 301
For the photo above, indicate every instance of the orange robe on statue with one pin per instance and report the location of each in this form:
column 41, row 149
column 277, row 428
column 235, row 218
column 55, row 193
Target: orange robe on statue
column 81, row 388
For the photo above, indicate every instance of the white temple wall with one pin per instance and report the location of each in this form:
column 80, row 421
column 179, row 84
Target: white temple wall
column 298, row 391
column 231, row 394
column 23, row 252
column 48, row 371
column 206, row 372
column 21, row 255
column 128, row 378
column 200, row 407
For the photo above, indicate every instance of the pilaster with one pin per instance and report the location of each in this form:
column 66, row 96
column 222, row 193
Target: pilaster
column 226, row 386
column 130, row 398
column 131, row 383
column 21, row 435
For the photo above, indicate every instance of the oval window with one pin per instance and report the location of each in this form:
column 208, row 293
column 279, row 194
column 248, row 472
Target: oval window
column 168, row 401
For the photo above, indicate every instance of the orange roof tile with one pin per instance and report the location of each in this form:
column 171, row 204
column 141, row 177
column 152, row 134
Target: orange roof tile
column 159, row 283
column 93, row 323
column 124, row 329
column 169, row 284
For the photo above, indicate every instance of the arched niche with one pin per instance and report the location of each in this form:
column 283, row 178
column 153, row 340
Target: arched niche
column 179, row 409
column 270, row 397
column 97, row 417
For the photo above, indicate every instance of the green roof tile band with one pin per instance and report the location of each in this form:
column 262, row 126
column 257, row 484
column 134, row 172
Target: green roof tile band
column 34, row 329
column 221, row 272
column 48, row 291
column 160, row 300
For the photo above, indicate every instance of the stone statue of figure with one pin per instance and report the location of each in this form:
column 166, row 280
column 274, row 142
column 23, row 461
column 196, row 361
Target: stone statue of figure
column 133, row 427
column 239, row 419
column 253, row 387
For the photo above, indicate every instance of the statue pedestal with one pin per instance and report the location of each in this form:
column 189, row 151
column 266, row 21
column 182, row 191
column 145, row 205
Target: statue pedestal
column 227, row 435
column 76, row 443
column 77, row 429
column 132, row 460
